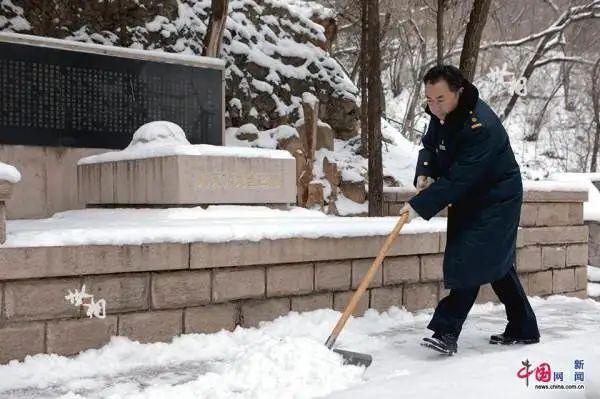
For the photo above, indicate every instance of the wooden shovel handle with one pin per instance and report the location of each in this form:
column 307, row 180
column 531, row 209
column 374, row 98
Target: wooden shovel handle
column 365, row 281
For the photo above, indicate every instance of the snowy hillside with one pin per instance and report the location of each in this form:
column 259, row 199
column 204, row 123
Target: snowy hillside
column 274, row 49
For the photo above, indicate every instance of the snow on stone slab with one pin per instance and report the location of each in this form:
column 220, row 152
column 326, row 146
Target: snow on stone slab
column 286, row 358
column 163, row 138
column 9, row 173
column 268, row 139
column 346, row 206
column 219, row 223
column 591, row 208
column 558, row 185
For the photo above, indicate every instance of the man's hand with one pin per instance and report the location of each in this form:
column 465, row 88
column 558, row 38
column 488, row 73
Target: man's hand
column 423, row 182
column 411, row 212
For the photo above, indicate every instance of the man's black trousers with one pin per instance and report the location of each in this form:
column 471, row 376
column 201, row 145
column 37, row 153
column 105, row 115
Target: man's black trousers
column 451, row 311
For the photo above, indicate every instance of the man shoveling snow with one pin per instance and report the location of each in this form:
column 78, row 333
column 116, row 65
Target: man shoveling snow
column 467, row 164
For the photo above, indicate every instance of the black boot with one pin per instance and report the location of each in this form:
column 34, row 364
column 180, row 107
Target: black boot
column 443, row 343
column 506, row 339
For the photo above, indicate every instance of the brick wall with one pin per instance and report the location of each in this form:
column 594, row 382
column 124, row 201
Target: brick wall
column 157, row 291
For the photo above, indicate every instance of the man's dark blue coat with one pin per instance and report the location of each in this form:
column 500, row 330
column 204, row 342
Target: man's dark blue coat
column 478, row 177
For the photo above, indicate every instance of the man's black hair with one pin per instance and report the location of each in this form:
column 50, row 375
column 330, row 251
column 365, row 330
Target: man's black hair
column 451, row 74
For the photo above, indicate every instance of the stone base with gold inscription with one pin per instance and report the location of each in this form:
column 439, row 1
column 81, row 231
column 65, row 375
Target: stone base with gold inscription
column 218, row 176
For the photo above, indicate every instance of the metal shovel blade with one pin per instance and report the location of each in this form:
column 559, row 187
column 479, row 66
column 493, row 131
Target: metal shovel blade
column 355, row 358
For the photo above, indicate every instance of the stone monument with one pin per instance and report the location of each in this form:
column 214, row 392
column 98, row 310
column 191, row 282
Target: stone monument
column 160, row 167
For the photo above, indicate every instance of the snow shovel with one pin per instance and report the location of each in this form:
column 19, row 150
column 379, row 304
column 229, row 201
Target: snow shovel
column 356, row 358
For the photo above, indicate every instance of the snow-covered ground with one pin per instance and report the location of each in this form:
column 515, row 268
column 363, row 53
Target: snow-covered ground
column 287, row 359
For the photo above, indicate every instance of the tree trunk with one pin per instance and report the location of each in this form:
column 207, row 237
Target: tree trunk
column 440, row 31
column 472, row 40
column 308, row 136
column 374, row 113
column 408, row 128
column 596, row 104
column 364, row 79
column 409, row 118
column 216, row 26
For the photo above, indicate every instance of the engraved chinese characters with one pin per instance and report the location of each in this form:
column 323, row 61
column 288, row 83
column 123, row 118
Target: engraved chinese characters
column 59, row 97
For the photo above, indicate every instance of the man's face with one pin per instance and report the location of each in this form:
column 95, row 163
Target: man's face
column 441, row 99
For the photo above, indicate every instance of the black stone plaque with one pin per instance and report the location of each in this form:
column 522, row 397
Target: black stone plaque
column 58, row 97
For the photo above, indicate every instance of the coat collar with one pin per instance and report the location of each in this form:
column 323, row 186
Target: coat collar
column 466, row 102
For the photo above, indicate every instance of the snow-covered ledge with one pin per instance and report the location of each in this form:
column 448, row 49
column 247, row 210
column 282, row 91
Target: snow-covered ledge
column 9, row 175
column 568, row 199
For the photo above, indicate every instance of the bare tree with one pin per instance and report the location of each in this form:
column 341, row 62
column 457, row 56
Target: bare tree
column 364, row 79
column 216, row 26
column 440, row 31
column 472, row 40
column 548, row 39
column 417, row 77
column 374, row 112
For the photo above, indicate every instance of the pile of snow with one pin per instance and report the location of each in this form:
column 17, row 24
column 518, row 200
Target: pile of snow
column 247, row 363
column 221, row 223
column 158, row 133
column 162, row 139
column 9, row 173
column 286, row 358
column 347, row 207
